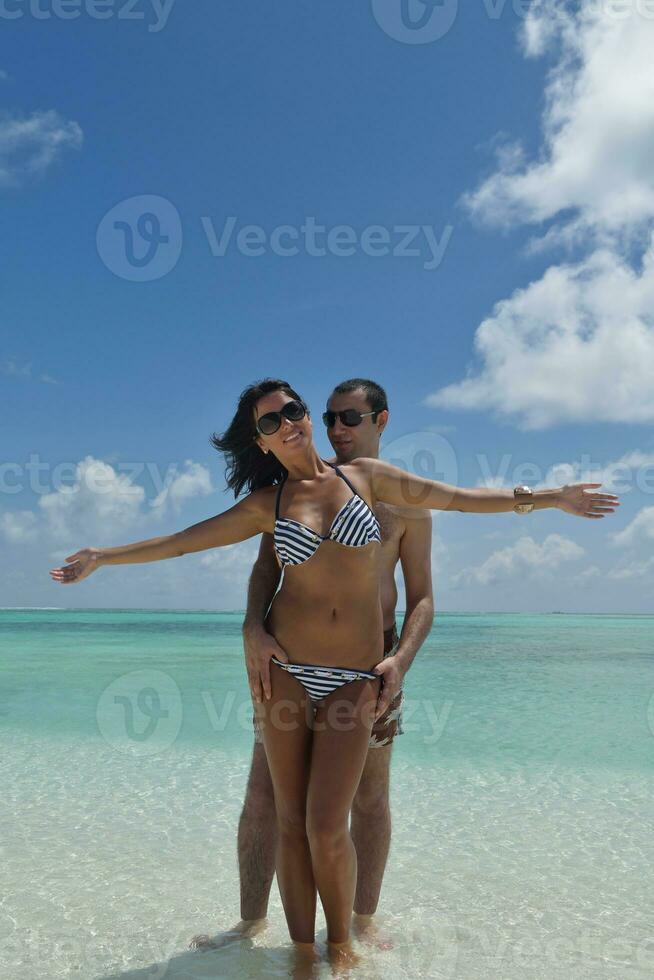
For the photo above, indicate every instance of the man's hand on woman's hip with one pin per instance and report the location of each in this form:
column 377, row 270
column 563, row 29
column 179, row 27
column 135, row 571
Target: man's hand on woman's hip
column 260, row 646
column 392, row 674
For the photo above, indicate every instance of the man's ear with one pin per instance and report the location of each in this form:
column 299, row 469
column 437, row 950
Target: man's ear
column 382, row 420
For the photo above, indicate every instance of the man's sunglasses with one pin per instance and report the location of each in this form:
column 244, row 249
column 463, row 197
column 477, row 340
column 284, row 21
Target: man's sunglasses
column 269, row 423
column 349, row 417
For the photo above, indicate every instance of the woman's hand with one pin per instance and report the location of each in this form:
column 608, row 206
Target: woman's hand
column 573, row 500
column 80, row 566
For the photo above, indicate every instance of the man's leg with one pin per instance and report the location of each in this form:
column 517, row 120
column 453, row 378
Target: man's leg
column 371, row 828
column 257, row 839
column 370, row 821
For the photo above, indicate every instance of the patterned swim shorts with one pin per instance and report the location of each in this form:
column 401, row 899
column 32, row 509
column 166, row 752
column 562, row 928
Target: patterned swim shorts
column 389, row 724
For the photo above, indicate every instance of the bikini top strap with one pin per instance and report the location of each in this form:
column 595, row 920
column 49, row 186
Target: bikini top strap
column 343, row 477
column 278, row 498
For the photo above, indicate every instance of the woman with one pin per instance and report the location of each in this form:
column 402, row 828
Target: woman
column 326, row 616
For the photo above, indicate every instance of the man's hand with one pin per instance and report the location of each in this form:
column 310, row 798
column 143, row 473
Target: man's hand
column 260, row 646
column 392, row 674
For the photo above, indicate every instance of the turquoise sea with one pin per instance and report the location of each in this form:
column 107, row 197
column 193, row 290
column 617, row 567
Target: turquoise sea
column 522, row 794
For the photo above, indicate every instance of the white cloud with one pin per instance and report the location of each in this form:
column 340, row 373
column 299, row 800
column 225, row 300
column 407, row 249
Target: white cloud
column 233, row 558
column 638, row 570
column 18, row 526
column 642, row 527
column 229, row 569
column 632, row 469
column 12, row 368
column 100, row 504
column 575, row 346
column 194, row 481
column 596, row 164
column 31, row 144
column 525, row 558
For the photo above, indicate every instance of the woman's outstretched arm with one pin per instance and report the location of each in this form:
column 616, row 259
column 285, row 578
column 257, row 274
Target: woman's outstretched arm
column 243, row 520
column 392, row 485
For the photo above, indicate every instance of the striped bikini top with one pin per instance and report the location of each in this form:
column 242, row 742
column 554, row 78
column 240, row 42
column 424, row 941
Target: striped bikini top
column 355, row 525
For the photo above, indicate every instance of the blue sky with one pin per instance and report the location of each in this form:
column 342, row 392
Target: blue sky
column 526, row 339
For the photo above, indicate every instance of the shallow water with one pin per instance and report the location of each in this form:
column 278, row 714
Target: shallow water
column 522, row 795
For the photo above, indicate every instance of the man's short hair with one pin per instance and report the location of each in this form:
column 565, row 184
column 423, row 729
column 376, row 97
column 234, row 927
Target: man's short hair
column 375, row 394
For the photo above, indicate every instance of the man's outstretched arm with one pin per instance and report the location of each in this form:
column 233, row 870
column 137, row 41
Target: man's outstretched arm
column 259, row 645
column 415, row 558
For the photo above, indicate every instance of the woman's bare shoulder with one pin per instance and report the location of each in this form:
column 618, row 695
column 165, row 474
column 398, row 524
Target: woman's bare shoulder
column 264, row 495
column 366, row 466
column 261, row 501
column 360, row 471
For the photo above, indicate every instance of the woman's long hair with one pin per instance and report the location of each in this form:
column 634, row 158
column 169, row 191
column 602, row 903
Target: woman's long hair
column 247, row 465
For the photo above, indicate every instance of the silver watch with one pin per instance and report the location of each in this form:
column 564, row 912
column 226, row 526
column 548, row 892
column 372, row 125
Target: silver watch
column 524, row 507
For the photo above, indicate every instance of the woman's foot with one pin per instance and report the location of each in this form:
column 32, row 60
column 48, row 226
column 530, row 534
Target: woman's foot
column 341, row 955
column 245, row 929
column 306, row 960
column 367, row 931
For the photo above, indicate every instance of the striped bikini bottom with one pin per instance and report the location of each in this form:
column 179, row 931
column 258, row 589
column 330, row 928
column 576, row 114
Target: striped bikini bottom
column 320, row 681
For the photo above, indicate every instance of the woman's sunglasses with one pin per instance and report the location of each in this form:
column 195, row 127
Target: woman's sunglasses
column 349, row 417
column 269, row 423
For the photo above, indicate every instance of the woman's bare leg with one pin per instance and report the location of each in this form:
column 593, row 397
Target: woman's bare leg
column 287, row 740
column 340, row 744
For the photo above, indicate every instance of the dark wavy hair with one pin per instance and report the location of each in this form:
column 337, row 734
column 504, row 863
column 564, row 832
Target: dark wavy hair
column 247, row 466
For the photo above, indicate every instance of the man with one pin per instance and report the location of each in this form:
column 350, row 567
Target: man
column 357, row 415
